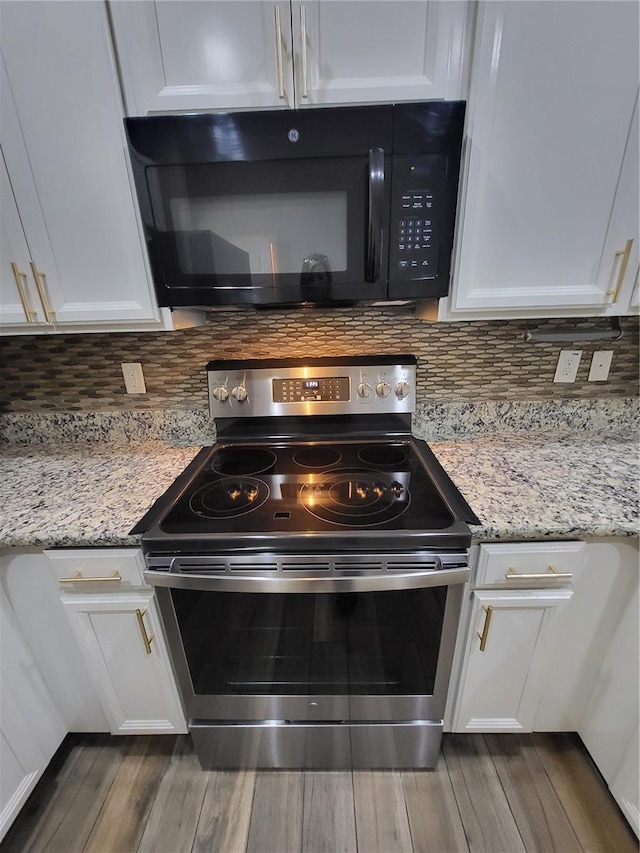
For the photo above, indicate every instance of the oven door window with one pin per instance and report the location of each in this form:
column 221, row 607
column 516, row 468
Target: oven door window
column 375, row 643
column 258, row 232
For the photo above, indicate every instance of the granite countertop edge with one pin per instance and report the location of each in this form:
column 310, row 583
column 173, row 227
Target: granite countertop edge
column 522, row 486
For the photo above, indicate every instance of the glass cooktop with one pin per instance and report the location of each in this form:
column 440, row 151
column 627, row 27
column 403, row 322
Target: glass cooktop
column 309, row 487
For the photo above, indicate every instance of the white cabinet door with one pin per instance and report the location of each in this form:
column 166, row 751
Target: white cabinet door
column 553, row 89
column 30, row 727
column 366, row 52
column 203, row 55
column 19, row 304
column 63, row 143
column 227, row 55
column 611, row 716
column 626, row 783
column 500, row 684
column 120, row 637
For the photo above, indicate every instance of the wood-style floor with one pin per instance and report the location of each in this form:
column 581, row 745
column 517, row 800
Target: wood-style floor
column 488, row 794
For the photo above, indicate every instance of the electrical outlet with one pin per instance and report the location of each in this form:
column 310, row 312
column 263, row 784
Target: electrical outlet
column 134, row 378
column 567, row 367
column 600, row 364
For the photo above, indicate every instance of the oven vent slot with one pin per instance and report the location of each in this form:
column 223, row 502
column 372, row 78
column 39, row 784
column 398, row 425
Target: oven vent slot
column 196, row 568
column 357, row 566
column 306, row 565
column 412, row 566
column 258, row 565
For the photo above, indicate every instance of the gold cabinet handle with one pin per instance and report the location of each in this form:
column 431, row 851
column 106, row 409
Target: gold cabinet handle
column 552, row 574
column 77, row 578
column 276, row 10
column 488, row 609
column 303, row 39
column 146, row 639
column 41, row 283
column 625, row 254
column 21, row 284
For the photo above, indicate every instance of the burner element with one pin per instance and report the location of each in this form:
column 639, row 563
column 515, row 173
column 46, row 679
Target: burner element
column 229, row 497
column 355, row 498
column 383, row 455
column 317, row 456
column 238, row 461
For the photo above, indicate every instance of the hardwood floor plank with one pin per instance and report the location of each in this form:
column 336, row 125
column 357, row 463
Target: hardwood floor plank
column 382, row 823
column 488, row 823
column 276, row 817
column 223, row 826
column 72, row 818
column 594, row 816
column 538, row 812
column 52, row 784
column 434, row 818
column 173, row 819
column 329, row 821
column 124, row 813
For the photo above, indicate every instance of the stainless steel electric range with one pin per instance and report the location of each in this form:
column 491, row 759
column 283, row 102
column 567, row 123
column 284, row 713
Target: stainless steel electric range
column 309, row 569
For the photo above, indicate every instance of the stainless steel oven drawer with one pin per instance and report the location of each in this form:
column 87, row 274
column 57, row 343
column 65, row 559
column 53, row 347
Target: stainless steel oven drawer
column 321, row 746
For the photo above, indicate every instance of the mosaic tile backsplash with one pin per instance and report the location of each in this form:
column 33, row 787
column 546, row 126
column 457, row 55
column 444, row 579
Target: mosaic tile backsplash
column 476, row 361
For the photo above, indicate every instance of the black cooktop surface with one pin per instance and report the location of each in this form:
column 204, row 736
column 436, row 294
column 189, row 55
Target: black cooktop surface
column 309, row 487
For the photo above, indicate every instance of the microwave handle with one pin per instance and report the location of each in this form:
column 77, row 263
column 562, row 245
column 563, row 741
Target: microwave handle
column 376, row 218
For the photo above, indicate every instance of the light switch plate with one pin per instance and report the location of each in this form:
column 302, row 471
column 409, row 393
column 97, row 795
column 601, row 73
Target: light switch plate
column 600, row 365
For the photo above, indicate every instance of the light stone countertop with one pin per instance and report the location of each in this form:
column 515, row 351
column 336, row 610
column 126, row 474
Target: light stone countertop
column 524, row 485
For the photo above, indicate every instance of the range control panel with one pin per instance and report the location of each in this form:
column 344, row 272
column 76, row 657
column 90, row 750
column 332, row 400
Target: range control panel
column 327, row 386
column 328, row 389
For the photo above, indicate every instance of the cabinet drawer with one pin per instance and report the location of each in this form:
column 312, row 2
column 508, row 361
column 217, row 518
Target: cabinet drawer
column 527, row 564
column 94, row 570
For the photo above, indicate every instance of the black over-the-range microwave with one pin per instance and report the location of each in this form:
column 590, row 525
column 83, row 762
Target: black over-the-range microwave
column 314, row 207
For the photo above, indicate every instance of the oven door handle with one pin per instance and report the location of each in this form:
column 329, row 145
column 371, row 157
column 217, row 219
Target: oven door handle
column 231, row 582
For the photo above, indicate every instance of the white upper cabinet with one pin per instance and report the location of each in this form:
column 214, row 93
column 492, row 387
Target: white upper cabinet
column 63, row 144
column 549, row 212
column 223, row 55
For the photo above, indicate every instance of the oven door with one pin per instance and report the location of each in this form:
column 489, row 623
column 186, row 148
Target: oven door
column 310, row 648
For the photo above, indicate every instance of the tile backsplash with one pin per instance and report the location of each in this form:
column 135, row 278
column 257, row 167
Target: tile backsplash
column 476, row 361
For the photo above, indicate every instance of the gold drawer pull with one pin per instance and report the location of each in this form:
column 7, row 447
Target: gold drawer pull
column 624, row 254
column 488, row 609
column 77, row 578
column 146, row 639
column 553, row 574
column 21, row 284
column 41, row 283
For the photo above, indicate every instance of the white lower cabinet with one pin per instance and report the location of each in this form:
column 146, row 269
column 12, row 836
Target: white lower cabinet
column 121, row 641
column 501, row 676
column 118, row 632
column 31, row 729
column 609, row 725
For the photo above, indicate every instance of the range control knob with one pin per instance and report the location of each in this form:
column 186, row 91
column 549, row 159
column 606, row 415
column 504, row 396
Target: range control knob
column 402, row 389
column 383, row 389
column 364, row 389
column 220, row 394
column 239, row 393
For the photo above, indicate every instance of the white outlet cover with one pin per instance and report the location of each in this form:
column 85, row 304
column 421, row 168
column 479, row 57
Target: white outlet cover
column 567, row 367
column 133, row 378
column 600, row 365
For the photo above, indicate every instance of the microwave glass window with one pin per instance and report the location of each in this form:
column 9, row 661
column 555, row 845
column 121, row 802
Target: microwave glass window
column 274, row 233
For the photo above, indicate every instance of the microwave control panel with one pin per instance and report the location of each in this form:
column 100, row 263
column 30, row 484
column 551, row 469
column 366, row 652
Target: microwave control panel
column 414, row 238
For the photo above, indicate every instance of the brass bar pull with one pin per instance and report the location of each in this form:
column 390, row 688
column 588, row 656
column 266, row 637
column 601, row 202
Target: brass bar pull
column 488, row 609
column 625, row 254
column 303, row 39
column 146, row 639
column 21, row 284
column 276, row 10
column 77, row 578
column 41, row 283
column 552, row 574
